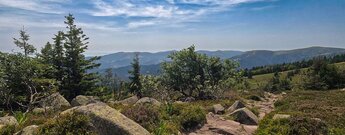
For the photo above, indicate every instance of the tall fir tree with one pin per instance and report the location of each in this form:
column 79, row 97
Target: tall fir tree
column 59, row 57
column 22, row 43
column 77, row 81
column 135, row 84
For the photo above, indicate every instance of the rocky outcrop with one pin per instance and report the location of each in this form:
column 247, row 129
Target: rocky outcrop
column 245, row 116
column 147, row 100
column 8, row 121
column 29, row 130
column 218, row 109
column 281, row 116
column 55, row 101
column 128, row 101
column 107, row 120
column 84, row 100
column 237, row 105
column 216, row 125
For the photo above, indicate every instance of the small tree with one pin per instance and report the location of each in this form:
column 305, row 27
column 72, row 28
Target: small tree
column 196, row 75
column 135, row 84
column 77, row 80
column 22, row 43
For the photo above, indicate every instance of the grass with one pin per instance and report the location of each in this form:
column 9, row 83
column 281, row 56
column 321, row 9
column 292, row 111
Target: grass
column 329, row 106
column 259, row 81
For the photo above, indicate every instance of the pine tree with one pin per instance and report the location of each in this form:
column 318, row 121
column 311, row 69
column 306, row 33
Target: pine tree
column 77, row 80
column 22, row 43
column 135, row 85
column 58, row 57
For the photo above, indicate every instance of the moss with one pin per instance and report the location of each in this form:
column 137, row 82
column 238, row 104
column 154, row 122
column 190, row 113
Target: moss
column 73, row 124
column 192, row 118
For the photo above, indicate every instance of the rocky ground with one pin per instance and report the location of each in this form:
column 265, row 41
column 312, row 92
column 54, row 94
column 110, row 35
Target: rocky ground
column 218, row 124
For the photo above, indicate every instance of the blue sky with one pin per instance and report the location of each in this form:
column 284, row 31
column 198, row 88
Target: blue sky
column 157, row 25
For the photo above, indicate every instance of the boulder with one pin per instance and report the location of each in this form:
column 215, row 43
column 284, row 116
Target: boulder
column 108, row 121
column 147, row 100
column 129, row 101
column 189, row 99
column 84, row 100
column 245, row 116
column 237, row 105
column 42, row 110
column 29, row 130
column 8, row 121
column 55, row 101
column 281, row 116
column 218, row 109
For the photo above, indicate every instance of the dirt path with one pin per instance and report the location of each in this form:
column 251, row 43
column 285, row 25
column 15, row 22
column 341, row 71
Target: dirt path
column 217, row 125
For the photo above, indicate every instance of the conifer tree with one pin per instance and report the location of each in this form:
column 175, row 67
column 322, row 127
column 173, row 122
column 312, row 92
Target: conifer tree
column 135, row 84
column 77, row 80
column 22, row 43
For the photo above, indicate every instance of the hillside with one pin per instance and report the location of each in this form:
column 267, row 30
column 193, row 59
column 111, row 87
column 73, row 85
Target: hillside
column 123, row 59
column 263, row 57
column 120, row 62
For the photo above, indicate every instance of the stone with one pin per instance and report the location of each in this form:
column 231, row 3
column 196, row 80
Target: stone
column 42, row 110
column 245, row 116
column 55, row 101
column 108, row 121
column 29, row 130
column 129, row 101
column 218, row 109
column 147, row 100
column 281, row 116
column 237, row 105
column 189, row 99
column 84, row 100
column 8, row 121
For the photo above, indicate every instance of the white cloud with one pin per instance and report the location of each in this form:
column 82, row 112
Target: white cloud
column 168, row 12
column 41, row 6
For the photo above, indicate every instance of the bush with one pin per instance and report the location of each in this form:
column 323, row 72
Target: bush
column 191, row 118
column 74, row 124
column 294, row 126
column 145, row 115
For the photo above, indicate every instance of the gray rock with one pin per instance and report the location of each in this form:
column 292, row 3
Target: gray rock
column 129, row 101
column 42, row 110
column 189, row 99
column 29, row 130
column 55, row 101
column 281, row 116
column 8, row 121
column 218, row 109
column 147, row 100
column 237, row 105
column 108, row 121
column 245, row 116
column 84, row 100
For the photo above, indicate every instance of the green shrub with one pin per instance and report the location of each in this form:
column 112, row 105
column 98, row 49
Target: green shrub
column 145, row 115
column 192, row 118
column 337, row 131
column 74, row 124
column 8, row 130
column 293, row 126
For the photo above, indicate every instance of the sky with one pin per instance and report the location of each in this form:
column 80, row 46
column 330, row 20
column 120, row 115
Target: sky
column 160, row 25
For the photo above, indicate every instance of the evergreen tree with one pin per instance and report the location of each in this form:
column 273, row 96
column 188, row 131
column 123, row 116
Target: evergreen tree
column 135, row 85
column 77, row 80
column 58, row 57
column 22, row 43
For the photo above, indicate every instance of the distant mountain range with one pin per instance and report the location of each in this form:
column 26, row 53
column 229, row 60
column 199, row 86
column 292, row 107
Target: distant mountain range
column 120, row 62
